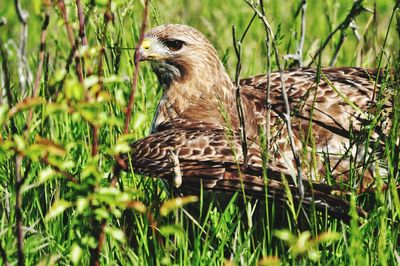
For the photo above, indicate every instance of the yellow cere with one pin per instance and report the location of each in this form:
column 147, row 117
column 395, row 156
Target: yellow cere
column 146, row 44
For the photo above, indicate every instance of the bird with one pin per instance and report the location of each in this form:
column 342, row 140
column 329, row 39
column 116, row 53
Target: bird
column 339, row 116
column 202, row 157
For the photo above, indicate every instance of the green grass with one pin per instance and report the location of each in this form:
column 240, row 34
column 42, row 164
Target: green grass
column 143, row 223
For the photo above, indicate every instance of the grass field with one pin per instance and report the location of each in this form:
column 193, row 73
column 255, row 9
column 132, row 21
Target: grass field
column 62, row 115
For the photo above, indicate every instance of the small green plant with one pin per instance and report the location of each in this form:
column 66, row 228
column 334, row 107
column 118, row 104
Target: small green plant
column 72, row 99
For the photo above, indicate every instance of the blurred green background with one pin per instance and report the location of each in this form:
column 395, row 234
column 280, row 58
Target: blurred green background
column 218, row 237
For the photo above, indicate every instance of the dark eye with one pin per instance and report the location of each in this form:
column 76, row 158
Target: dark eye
column 174, row 45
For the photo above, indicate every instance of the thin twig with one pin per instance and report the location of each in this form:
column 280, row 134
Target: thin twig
column 242, row 128
column 18, row 210
column 267, row 126
column 284, row 94
column 100, row 229
column 354, row 28
column 22, row 61
column 303, row 31
column 82, row 34
column 71, row 39
column 265, row 148
column 70, row 177
column 3, row 256
column 298, row 57
column 101, row 235
column 7, row 83
column 355, row 10
column 7, row 87
column 95, row 258
column 396, row 6
column 238, row 51
column 22, row 65
column 81, row 18
column 343, row 36
column 41, row 53
column 95, row 254
column 120, row 48
column 40, row 65
column 136, row 69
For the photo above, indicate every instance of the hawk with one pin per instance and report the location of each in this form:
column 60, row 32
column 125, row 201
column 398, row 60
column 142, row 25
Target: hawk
column 340, row 118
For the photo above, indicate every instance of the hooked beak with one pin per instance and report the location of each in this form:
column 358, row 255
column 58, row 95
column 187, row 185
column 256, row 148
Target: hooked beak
column 146, row 53
column 144, row 50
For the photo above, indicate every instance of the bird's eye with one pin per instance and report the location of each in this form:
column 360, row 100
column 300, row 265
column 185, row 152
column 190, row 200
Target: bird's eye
column 174, row 45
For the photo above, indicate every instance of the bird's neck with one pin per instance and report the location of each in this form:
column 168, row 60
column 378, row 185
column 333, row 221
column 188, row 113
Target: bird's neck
column 197, row 96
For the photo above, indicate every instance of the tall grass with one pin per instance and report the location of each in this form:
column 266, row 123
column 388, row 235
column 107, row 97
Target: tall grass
column 55, row 193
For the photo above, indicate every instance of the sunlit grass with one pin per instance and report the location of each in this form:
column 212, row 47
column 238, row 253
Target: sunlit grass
column 144, row 224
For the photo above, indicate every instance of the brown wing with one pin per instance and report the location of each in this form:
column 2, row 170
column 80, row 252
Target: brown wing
column 330, row 111
column 339, row 105
column 213, row 159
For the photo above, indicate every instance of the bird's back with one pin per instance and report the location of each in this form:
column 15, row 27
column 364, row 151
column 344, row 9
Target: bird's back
column 332, row 112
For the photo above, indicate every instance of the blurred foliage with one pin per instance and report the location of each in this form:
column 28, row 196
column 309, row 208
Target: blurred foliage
column 67, row 199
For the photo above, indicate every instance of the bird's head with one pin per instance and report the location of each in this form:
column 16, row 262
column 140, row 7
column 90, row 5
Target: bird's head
column 178, row 53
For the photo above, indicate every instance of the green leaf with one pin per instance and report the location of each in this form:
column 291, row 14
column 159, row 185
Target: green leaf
column 101, row 213
column 82, row 204
column 51, row 108
column 46, row 174
column 20, row 142
column 111, row 195
column 121, row 148
column 137, row 205
column 327, row 237
column 101, row 3
column 269, row 261
column 301, row 245
column 168, row 230
column 49, row 260
column 3, row 113
column 67, row 164
column 113, row 79
column 59, row 75
column 138, row 120
column 90, row 81
column 25, row 104
column 116, row 233
column 37, row 4
column 89, row 240
column 120, row 98
column 314, row 255
column 58, row 207
column 50, row 147
column 74, row 90
column 284, row 235
column 75, row 254
column 176, row 203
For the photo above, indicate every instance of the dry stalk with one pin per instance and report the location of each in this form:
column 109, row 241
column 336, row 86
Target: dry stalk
column 71, row 39
column 298, row 56
column 287, row 116
column 238, row 51
column 23, row 72
column 136, row 69
column 67, row 175
column 100, row 233
column 355, row 10
column 19, row 180
column 40, row 65
column 119, row 163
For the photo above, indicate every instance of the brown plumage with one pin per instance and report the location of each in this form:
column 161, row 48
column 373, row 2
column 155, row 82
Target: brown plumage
column 208, row 157
column 199, row 108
